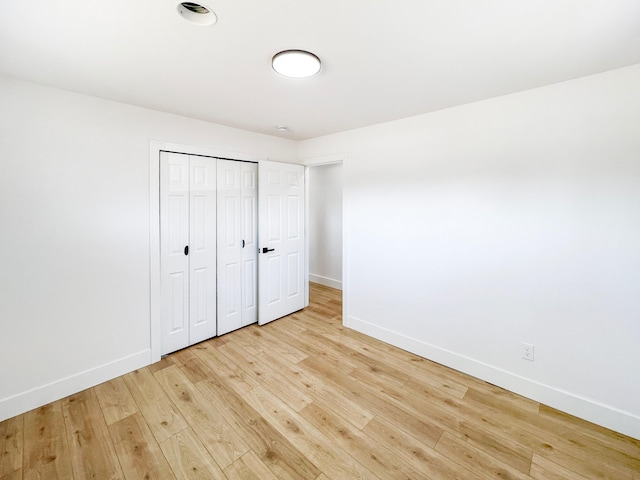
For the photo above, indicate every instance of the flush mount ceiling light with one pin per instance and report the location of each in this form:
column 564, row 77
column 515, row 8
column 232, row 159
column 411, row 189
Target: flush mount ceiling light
column 296, row 63
column 197, row 13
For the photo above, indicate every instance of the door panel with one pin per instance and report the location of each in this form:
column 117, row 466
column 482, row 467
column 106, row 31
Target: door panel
column 174, row 237
column 202, row 249
column 229, row 246
column 249, row 291
column 237, row 245
column 281, row 228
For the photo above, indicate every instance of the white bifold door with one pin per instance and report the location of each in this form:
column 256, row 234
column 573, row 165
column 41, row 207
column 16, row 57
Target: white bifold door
column 237, row 245
column 214, row 278
column 187, row 249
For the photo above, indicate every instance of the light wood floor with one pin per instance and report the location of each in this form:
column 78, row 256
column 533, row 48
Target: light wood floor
column 304, row 398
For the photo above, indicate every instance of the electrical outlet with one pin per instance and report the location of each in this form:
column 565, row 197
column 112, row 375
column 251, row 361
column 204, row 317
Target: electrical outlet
column 527, row 351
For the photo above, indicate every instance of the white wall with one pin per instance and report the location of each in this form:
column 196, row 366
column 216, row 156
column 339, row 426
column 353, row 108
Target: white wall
column 325, row 224
column 472, row 229
column 74, row 241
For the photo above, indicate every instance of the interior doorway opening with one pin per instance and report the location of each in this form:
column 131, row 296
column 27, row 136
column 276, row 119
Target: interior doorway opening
column 325, row 221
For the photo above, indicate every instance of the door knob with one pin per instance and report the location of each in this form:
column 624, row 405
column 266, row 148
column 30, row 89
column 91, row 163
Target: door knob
column 186, row 250
column 267, row 250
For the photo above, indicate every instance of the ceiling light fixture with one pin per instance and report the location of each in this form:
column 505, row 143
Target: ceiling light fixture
column 197, row 13
column 282, row 128
column 296, row 63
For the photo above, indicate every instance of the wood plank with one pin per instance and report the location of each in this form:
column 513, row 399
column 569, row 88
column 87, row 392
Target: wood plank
column 399, row 360
column 92, row 452
column 613, row 440
column 189, row 459
column 289, row 324
column 393, row 410
column 115, row 400
column 318, row 390
column 501, row 399
column 159, row 411
column 46, row 448
column 11, row 446
column 382, row 371
column 476, row 460
column 329, row 357
column 164, row 362
column 249, row 467
column 274, row 344
column 190, row 364
column 223, row 366
column 13, row 475
column 374, row 456
column 136, row 447
column 564, row 446
column 219, row 438
column 503, row 449
column 461, row 418
column 591, row 466
column 271, row 447
column 543, row 469
column 333, row 461
column 421, row 456
column 277, row 383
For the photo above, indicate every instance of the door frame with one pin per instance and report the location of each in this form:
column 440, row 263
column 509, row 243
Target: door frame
column 315, row 162
column 155, row 147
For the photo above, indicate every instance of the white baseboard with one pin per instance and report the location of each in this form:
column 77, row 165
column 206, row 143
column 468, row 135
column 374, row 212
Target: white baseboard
column 37, row 397
column 326, row 281
column 603, row 415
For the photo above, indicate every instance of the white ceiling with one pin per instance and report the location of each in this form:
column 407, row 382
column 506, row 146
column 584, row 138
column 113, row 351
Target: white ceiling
column 382, row 60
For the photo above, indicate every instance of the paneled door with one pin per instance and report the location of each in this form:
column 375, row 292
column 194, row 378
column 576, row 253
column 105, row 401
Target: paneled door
column 281, row 234
column 237, row 244
column 187, row 249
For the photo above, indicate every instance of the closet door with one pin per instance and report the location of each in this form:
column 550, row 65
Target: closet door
column 237, row 245
column 187, row 249
column 229, row 247
column 202, row 249
column 249, row 293
column 174, row 237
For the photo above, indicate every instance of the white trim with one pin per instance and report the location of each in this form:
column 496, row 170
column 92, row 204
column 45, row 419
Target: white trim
column 326, row 281
column 307, row 191
column 325, row 159
column 155, row 147
column 604, row 415
column 313, row 162
column 36, row 397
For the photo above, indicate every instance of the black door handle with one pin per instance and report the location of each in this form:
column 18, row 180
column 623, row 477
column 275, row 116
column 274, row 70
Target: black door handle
column 242, row 243
column 267, row 250
column 186, row 250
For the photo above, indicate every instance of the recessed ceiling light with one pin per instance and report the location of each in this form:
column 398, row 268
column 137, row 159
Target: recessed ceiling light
column 296, row 63
column 197, row 13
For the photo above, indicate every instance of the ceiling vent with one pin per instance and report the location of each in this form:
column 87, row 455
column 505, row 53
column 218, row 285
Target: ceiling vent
column 197, row 13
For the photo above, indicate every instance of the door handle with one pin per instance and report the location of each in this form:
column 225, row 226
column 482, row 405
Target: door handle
column 186, row 250
column 242, row 243
column 267, row 250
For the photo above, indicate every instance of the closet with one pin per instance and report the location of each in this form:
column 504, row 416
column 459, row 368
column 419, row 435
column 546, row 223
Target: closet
column 215, row 276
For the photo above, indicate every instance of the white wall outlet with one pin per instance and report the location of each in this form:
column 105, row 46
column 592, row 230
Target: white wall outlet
column 526, row 351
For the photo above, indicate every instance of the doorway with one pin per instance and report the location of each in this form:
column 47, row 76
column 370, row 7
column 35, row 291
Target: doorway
column 325, row 225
